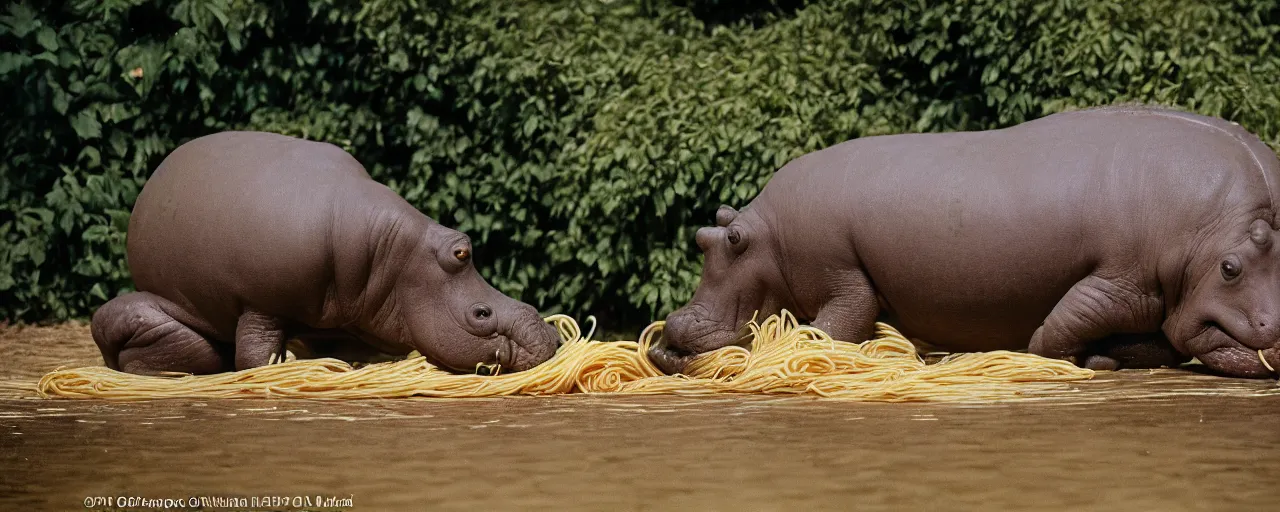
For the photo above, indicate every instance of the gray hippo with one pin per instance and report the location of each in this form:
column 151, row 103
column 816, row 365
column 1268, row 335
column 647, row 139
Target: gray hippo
column 242, row 240
column 1113, row 237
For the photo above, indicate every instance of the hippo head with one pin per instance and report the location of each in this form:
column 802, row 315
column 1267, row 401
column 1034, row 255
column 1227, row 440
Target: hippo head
column 455, row 319
column 740, row 278
column 1230, row 305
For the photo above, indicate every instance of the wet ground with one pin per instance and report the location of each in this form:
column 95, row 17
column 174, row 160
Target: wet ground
column 1166, row 440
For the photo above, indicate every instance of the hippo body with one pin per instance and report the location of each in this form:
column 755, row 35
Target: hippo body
column 1116, row 237
column 241, row 240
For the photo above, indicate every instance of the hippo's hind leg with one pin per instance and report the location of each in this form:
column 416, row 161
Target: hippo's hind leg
column 1133, row 351
column 851, row 314
column 260, row 340
column 137, row 333
column 1093, row 310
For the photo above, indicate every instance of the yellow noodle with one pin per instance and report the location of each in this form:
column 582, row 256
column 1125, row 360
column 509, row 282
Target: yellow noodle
column 784, row 358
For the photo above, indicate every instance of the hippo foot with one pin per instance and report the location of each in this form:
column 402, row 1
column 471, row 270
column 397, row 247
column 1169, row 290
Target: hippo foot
column 1101, row 363
column 137, row 333
column 260, row 340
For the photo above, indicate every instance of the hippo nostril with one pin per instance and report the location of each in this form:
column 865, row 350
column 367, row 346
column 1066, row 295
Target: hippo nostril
column 482, row 312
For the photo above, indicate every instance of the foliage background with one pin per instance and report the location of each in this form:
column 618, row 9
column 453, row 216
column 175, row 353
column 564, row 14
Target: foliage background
column 580, row 143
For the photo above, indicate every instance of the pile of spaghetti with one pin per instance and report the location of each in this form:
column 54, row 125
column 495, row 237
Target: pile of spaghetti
column 784, row 358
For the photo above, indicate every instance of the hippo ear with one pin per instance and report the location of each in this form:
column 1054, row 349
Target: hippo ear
column 725, row 215
column 1260, row 232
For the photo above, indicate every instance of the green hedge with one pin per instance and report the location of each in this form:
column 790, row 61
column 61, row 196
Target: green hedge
column 580, row 143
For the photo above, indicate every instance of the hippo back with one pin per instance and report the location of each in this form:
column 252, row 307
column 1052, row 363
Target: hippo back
column 1265, row 161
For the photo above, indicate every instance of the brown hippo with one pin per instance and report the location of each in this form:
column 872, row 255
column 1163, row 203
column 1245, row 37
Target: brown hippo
column 1115, row 237
column 241, row 240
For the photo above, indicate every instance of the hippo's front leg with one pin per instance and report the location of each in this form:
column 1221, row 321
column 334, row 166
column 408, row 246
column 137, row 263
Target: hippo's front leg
column 850, row 315
column 1094, row 309
column 259, row 337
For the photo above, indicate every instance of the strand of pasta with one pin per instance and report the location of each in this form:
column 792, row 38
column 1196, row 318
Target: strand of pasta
column 784, row 358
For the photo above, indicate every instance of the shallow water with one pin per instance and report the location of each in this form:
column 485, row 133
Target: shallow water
column 1165, row 440
column 652, row 453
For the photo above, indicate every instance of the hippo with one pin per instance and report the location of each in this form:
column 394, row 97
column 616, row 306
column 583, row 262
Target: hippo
column 1122, row 236
column 242, row 240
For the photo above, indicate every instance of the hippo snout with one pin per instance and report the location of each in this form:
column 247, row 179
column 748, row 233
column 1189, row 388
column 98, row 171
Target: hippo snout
column 1265, row 333
column 679, row 325
column 1252, row 333
column 534, row 342
column 689, row 331
column 686, row 324
column 692, row 331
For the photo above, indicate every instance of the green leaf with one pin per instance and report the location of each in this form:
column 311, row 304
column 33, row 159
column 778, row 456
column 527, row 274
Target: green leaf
column 44, row 215
column 47, row 39
column 217, row 12
column 36, row 253
column 20, row 21
column 10, row 62
column 93, row 156
column 235, row 38
column 61, row 101
column 98, row 291
column 86, row 125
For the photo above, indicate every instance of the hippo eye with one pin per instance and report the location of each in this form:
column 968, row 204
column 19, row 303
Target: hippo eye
column 1230, row 269
column 462, row 254
column 734, row 237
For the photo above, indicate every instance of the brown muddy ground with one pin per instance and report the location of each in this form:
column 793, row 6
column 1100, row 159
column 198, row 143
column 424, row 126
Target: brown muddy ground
column 1166, row 440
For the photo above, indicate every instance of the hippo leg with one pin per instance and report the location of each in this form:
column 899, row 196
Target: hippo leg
column 1093, row 309
column 851, row 315
column 1134, row 351
column 259, row 337
column 138, row 333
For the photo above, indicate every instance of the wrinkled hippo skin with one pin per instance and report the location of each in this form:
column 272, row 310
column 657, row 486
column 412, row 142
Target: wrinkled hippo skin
column 1114, row 237
column 242, row 240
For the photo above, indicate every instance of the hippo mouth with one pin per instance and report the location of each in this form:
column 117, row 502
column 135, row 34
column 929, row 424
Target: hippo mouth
column 1222, row 352
column 695, row 334
column 670, row 361
column 673, row 360
column 509, row 356
column 538, row 346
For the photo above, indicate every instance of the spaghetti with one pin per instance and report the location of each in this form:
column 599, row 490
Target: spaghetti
column 784, row 358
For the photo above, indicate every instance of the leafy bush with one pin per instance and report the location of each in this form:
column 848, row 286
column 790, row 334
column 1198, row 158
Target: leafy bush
column 581, row 143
